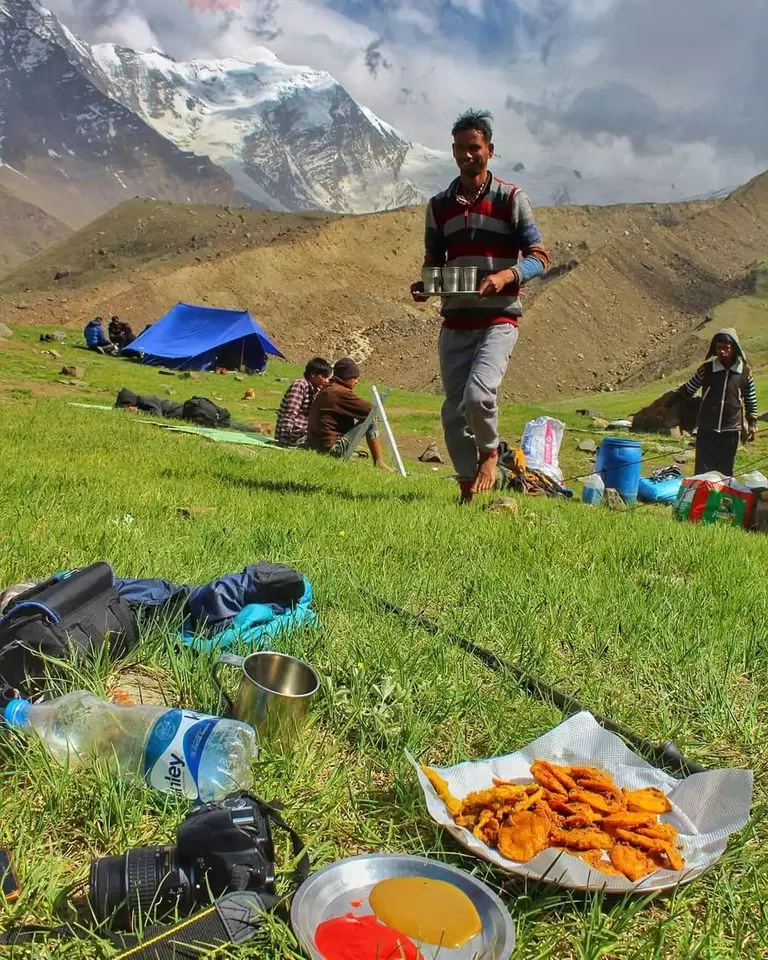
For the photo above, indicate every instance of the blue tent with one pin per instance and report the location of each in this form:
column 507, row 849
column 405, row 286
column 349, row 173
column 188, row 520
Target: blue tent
column 191, row 337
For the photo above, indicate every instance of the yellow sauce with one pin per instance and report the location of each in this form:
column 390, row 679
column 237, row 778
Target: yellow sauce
column 432, row 911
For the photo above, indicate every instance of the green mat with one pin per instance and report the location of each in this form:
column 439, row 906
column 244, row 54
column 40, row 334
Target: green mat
column 211, row 433
column 217, row 434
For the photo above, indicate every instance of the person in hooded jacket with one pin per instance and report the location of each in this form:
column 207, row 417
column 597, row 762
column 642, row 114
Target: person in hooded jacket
column 96, row 339
column 728, row 395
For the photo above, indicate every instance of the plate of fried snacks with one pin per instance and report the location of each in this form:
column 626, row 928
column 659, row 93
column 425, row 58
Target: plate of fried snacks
column 577, row 807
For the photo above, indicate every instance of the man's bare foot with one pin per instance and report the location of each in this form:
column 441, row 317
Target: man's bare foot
column 384, row 466
column 486, row 472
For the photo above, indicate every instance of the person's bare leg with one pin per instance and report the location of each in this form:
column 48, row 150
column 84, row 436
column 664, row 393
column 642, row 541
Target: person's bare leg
column 480, row 400
column 487, row 471
column 374, row 445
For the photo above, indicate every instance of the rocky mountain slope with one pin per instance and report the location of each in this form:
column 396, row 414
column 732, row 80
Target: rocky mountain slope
column 68, row 148
column 628, row 287
column 26, row 230
column 292, row 137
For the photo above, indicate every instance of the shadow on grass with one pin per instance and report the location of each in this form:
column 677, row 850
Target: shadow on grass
column 312, row 489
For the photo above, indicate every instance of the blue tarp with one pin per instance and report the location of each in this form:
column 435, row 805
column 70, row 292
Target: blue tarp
column 191, row 337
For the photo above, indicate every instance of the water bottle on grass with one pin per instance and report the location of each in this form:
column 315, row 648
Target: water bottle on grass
column 176, row 751
column 594, row 488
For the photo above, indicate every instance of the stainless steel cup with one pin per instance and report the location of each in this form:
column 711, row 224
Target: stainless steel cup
column 451, row 277
column 274, row 694
column 430, row 277
column 468, row 279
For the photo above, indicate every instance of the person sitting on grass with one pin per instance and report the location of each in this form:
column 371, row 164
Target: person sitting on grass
column 337, row 416
column 728, row 394
column 293, row 415
column 95, row 337
column 120, row 333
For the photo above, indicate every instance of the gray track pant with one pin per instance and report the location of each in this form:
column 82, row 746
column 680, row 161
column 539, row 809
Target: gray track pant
column 472, row 366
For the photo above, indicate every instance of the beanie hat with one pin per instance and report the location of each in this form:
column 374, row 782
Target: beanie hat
column 346, row 369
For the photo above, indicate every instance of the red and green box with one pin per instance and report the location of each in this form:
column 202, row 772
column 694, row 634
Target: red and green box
column 712, row 501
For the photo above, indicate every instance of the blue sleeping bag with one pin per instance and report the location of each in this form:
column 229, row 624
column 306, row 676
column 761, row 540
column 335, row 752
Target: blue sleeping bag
column 255, row 625
column 249, row 607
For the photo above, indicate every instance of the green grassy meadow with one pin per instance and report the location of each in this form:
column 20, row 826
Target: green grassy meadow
column 660, row 625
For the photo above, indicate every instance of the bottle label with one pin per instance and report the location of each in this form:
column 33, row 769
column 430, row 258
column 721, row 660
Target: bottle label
column 174, row 748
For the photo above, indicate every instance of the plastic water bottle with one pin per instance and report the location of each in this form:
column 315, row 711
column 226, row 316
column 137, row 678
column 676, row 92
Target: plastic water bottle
column 177, row 751
column 594, row 487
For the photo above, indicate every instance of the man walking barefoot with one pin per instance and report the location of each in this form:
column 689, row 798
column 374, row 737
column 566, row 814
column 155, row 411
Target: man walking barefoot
column 479, row 221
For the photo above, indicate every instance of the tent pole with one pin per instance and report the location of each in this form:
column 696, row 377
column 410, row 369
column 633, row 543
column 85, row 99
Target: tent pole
column 242, row 355
column 379, row 408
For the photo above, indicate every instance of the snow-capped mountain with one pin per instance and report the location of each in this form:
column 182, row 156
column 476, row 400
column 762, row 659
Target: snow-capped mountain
column 84, row 126
column 67, row 147
column 291, row 137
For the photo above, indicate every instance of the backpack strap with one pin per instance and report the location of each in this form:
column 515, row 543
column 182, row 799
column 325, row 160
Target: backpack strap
column 29, row 605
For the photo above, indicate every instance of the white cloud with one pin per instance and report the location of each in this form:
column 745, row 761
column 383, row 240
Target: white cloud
column 669, row 92
column 129, row 30
column 475, row 7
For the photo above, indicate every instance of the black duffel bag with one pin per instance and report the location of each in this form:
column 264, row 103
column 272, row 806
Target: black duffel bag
column 69, row 617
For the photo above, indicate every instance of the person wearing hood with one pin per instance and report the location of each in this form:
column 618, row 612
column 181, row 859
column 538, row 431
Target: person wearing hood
column 96, row 339
column 728, row 395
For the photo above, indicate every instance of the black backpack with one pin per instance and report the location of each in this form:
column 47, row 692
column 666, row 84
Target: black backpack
column 67, row 617
column 205, row 412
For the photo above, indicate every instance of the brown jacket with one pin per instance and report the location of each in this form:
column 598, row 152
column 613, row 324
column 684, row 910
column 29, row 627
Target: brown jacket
column 334, row 411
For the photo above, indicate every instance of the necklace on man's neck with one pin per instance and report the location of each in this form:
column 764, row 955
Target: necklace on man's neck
column 469, row 201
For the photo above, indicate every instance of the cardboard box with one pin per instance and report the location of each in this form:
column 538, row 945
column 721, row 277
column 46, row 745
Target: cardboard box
column 713, row 501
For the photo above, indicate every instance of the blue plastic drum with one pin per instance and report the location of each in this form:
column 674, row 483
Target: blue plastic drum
column 619, row 462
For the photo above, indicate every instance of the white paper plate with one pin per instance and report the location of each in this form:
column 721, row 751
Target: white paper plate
column 706, row 807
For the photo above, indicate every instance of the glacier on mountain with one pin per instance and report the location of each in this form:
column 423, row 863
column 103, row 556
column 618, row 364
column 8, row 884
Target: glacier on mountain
column 290, row 136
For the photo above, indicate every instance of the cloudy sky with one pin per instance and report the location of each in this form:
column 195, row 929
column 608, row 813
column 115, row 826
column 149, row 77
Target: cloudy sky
column 668, row 94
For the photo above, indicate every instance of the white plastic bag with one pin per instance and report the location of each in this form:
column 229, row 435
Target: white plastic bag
column 754, row 480
column 541, row 445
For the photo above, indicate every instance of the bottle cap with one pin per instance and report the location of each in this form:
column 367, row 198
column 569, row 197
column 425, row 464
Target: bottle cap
column 15, row 713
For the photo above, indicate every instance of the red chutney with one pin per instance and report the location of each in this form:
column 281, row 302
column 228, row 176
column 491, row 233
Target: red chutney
column 362, row 938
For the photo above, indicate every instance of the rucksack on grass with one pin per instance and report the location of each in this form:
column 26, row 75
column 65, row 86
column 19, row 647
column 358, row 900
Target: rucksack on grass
column 69, row 617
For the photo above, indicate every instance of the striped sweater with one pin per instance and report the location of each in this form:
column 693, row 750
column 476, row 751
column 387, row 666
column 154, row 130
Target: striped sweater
column 490, row 233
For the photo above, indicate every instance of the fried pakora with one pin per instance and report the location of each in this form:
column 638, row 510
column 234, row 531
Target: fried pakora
column 658, row 831
column 594, row 859
column 628, row 821
column 553, row 772
column 443, row 791
column 598, row 801
column 523, row 836
column 578, row 809
column 647, row 800
column 581, row 839
column 630, row 861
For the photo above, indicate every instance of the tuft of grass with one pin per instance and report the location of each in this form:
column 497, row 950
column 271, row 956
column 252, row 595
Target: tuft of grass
column 658, row 624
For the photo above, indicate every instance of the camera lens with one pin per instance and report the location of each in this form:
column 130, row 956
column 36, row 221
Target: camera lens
column 142, row 879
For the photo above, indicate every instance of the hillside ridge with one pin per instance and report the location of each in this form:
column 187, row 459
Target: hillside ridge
column 629, row 284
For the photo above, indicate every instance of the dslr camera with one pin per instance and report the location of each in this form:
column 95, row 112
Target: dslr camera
column 220, row 847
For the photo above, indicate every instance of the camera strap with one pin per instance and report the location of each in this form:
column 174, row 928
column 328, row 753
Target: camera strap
column 233, row 919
